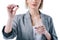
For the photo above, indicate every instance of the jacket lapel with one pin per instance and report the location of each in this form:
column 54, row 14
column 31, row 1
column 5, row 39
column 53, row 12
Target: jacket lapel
column 44, row 23
column 29, row 26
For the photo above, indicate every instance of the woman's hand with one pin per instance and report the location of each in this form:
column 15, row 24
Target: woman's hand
column 11, row 13
column 12, row 8
column 42, row 30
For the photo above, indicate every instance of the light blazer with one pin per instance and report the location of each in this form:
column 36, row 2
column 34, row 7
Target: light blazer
column 23, row 30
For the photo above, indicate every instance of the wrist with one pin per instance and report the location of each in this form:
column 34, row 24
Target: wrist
column 47, row 35
column 10, row 18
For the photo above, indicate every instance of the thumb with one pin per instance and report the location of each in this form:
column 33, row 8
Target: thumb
column 15, row 9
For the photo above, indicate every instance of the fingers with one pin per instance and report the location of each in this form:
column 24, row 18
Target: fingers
column 40, row 29
column 12, row 7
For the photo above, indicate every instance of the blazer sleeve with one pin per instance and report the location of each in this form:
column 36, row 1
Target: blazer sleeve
column 13, row 33
column 52, row 30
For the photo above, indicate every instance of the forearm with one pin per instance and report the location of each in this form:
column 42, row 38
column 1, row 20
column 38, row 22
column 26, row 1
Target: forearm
column 48, row 36
column 8, row 27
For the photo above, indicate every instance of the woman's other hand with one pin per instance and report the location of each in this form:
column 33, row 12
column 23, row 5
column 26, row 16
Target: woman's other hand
column 42, row 30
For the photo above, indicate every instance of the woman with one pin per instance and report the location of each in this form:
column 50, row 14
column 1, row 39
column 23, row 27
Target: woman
column 30, row 26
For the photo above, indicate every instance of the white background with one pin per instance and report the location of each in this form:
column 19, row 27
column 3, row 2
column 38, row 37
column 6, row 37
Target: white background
column 50, row 7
